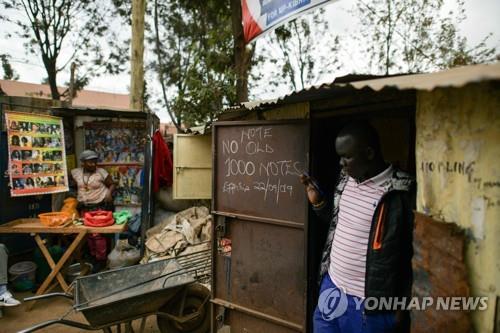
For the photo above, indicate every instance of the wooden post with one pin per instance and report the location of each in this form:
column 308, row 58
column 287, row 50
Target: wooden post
column 137, row 55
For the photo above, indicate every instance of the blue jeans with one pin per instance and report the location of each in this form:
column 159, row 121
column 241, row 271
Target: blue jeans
column 346, row 315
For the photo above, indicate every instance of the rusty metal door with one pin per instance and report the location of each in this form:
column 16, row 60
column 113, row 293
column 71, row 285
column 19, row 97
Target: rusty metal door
column 260, row 208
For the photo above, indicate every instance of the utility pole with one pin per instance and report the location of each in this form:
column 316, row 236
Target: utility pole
column 137, row 55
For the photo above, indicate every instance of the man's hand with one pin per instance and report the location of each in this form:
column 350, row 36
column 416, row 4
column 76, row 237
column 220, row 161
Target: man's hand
column 312, row 194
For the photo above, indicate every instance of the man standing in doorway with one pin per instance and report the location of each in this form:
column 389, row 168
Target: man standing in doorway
column 369, row 244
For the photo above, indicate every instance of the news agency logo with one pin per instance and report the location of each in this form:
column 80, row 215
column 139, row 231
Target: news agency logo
column 439, row 303
column 332, row 303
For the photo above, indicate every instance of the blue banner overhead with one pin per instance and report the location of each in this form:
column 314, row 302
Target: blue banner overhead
column 263, row 15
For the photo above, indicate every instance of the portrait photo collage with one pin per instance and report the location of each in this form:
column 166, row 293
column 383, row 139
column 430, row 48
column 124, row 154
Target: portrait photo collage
column 120, row 148
column 37, row 161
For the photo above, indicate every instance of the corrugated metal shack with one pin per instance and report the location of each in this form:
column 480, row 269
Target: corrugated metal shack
column 443, row 127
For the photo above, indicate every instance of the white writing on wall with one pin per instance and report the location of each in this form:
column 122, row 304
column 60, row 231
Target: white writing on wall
column 250, row 165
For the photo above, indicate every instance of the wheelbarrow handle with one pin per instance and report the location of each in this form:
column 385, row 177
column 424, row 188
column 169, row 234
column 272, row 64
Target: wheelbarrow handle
column 56, row 321
column 33, row 298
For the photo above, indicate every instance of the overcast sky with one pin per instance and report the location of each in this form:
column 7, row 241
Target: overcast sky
column 482, row 18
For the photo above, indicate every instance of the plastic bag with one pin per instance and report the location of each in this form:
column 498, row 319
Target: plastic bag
column 122, row 217
column 98, row 218
column 123, row 255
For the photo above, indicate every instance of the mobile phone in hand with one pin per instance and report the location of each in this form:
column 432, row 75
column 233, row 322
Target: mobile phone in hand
column 313, row 182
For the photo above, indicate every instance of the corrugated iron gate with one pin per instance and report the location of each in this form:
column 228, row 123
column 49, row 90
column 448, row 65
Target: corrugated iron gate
column 259, row 253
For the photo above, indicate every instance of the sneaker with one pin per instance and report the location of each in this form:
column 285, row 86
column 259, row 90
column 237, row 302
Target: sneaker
column 6, row 299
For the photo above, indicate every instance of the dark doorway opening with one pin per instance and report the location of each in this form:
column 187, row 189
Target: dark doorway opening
column 394, row 120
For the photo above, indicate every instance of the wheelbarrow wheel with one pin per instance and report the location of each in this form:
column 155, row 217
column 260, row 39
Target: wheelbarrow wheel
column 196, row 294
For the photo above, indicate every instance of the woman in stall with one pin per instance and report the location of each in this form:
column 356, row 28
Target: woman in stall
column 95, row 192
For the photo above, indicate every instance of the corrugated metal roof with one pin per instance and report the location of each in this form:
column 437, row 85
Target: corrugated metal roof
column 456, row 77
column 199, row 130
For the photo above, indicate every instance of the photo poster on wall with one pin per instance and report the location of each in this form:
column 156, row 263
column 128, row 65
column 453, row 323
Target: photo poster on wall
column 120, row 148
column 37, row 158
column 128, row 180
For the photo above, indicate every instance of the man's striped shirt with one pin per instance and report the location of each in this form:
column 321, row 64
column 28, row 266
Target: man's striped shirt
column 356, row 208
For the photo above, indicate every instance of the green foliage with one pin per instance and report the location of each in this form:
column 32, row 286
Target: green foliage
column 416, row 36
column 65, row 31
column 193, row 46
column 8, row 71
column 299, row 54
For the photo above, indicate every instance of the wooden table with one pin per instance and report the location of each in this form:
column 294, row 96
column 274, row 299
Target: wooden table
column 34, row 227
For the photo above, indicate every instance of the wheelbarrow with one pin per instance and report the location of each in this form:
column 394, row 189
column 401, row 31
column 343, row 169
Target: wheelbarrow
column 166, row 288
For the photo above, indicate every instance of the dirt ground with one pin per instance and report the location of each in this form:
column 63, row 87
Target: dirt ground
column 17, row 318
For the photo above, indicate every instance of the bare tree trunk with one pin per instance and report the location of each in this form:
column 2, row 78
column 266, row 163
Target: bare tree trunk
column 72, row 84
column 137, row 55
column 242, row 55
column 176, row 119
column 52, row 77
column 301, row 61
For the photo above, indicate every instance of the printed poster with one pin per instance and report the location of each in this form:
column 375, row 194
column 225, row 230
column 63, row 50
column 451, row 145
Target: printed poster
column 37, row 160
column 263, row 15
column 120, row 147
column 116, row 142
column 129, row 181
